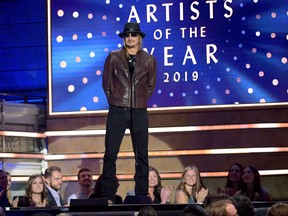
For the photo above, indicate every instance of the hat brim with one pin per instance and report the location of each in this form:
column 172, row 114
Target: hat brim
column 122, row 34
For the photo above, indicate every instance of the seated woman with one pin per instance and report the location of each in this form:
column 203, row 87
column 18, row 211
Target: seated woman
column 4, row 202
column 251, row 186
column 157, row 193
column 35, row 196
column 191, row 188
column 233, row 181
column 8, row 191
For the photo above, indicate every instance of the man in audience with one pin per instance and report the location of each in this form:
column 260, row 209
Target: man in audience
column 278, row 209
column 194, row 210
column 222, row 207
column 85, row 181
column 212, row 197
column 243, row 205
column 53, row 177
column 147, row 211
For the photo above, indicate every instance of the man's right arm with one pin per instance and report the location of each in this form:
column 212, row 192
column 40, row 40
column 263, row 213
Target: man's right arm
column 106, row 78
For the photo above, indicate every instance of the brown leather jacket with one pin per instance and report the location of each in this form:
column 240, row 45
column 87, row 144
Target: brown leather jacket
column 117, row 84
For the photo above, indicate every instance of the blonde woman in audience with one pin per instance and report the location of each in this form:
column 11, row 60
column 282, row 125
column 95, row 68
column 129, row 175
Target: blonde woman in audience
column 191, row 188
column 36, row 194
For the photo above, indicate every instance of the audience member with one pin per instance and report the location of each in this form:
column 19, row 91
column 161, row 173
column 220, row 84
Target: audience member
column 243, row 205
column 278, row 209
column 147, row 211
column 8, row 191
column 234, row 180
column 35, row 195
column 194, row 210
column 3, row 188
column 212, row 197
column 97, row 190
column 157, row 193
column 191, row 188
column 85, row 181
column 53, row 177
column 222, row 208
column 251, row 186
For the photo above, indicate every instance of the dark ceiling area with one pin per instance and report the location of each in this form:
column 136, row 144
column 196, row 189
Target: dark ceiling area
column 23, row 51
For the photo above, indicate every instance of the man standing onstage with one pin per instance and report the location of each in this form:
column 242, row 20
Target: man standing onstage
column 129, row 79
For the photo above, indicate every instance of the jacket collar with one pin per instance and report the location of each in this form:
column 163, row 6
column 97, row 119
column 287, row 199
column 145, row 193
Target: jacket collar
column 123, row 56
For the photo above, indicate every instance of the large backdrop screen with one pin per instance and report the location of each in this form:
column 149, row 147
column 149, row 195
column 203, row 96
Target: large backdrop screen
column 208, row 52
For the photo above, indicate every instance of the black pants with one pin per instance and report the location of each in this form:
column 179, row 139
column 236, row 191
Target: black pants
column 118, row 120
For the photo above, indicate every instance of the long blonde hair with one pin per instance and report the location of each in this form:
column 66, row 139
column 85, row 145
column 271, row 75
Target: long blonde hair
column 140, row 46
column 197, row 187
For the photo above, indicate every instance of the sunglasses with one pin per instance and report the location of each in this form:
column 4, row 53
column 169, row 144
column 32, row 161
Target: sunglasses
column 132, row 34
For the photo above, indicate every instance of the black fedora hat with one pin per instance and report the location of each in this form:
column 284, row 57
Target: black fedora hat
column 132, row 28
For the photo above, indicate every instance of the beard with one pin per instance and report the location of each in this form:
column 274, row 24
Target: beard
column 130, row 46
column 131, row 43
column 56, row 187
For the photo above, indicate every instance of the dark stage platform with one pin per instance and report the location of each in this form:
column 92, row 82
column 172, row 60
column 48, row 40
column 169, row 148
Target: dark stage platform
column 123, row 209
